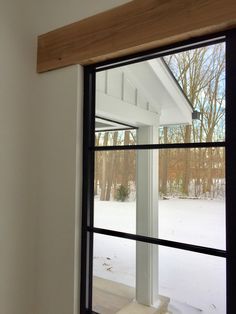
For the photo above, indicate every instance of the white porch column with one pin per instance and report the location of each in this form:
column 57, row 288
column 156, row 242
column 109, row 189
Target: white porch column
column 147, row 218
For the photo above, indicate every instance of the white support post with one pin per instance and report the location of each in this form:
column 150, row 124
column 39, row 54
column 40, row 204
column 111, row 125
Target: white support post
column 147, row 218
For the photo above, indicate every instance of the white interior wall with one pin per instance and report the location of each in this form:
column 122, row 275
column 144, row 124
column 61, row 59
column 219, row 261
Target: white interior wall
column 38, row 135
column 16, row 214
column 55, row 118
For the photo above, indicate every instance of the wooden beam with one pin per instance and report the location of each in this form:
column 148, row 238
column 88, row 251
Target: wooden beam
column 136, row 26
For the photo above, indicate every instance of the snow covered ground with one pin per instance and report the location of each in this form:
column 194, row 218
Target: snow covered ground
column 187, row 278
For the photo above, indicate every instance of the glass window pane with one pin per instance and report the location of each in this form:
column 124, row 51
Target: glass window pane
column 182, row 95
column 180, row 281
column 173, row 194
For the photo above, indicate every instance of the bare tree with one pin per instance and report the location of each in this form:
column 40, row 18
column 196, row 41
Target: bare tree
column 200, row 72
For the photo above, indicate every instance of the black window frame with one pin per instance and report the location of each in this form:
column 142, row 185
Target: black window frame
column 89, row 149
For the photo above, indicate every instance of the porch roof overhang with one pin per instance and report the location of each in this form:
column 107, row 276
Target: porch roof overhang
column 162, row 101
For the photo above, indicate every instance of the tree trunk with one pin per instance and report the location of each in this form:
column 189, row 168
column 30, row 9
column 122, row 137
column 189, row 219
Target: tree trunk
column 164, row 164
column 104, row 169
column 112, row 163
column 186, row 168
column 96, row 165
column 125, row 170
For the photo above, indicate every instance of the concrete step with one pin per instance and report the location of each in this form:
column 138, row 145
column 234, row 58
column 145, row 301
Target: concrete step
column 136, row 308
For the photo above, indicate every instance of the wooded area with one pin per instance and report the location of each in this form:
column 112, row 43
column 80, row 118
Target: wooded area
column 197, row 172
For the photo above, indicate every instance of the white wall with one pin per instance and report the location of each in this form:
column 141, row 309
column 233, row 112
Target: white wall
column 38, row 139
column 16, row 214
column 55, row 140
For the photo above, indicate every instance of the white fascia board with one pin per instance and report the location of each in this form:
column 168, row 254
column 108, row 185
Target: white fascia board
column 115, row 109
column 172, row 116
column 178, row 100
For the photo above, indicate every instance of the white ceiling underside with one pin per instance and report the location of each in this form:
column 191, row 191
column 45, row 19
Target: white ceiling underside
column 141, row 94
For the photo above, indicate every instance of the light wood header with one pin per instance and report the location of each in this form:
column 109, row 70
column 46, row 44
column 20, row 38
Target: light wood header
column 133, row 27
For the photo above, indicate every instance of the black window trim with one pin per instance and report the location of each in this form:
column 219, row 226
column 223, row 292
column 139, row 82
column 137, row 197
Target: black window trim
column 89, row 149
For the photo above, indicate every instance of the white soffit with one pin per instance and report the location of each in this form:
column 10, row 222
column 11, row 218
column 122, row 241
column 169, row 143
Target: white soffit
column 153, row 81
